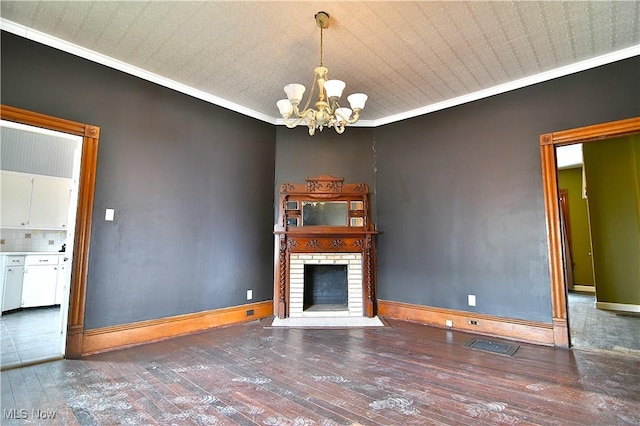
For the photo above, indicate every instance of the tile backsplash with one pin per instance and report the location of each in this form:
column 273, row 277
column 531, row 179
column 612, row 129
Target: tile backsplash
column 31, row 240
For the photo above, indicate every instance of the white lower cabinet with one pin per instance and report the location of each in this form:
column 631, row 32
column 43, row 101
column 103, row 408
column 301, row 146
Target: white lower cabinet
column 62, row 280
column 12, row 282
column 33, row 280
column 40, row 280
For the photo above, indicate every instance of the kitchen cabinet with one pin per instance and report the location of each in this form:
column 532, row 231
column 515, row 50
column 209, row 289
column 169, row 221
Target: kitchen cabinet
column 33, row 201
column 13, row 273
column 62, row 279
column 15, row 199
column 40, row 280
column 49, row 202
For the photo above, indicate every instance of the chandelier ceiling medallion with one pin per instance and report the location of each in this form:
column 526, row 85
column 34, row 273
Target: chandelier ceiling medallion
column 327, row 111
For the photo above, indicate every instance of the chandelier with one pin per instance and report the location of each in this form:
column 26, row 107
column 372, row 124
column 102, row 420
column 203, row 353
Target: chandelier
column 327, row 112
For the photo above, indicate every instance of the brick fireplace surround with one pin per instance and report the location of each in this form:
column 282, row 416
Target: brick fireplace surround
column 353, row 261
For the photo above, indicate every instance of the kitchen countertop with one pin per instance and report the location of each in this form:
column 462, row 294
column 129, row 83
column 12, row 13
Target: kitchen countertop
column 25, row 253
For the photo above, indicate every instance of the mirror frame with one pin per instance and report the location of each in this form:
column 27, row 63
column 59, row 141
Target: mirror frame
column 80, row 263
column 548, row 144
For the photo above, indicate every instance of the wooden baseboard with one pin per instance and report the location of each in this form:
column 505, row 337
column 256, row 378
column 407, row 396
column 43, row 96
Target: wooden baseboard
column 584, row 288
column 560, row 332
column 120, row 336
column 620, row 307
column 506, row 328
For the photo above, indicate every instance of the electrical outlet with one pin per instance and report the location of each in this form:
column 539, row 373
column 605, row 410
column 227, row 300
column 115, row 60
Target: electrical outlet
column 471, row 299
column 473, row 322
column 448, row 323
column 249, row 294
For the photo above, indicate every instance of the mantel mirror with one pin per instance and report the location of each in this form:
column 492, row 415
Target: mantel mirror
column 324, row 201
column 324, row 213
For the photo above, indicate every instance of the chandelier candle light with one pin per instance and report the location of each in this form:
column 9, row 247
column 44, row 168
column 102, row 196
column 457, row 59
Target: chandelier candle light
column 328, row 112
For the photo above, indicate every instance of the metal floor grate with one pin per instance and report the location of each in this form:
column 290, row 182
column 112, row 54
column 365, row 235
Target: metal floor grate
column 492, row 347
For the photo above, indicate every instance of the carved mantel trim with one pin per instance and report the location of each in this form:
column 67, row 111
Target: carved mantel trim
column 324, row 239
column 324, row 186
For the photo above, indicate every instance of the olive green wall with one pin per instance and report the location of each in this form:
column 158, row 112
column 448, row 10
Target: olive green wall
column 571, row 180
column 613, row 179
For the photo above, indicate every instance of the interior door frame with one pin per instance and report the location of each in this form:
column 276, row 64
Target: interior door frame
column 80, row 263
column 548, row 144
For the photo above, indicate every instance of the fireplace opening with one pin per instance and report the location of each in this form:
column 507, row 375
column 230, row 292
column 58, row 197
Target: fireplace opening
column 325, row 288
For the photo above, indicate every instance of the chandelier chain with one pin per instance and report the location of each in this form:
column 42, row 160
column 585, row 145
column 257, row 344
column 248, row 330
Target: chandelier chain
column 321, row 46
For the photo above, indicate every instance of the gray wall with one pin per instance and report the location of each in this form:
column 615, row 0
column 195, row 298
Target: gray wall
column 458, row 192
column 191, row 185
column 460, row 202
column 350, row 156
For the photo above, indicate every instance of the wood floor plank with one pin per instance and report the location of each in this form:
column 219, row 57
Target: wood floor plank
column 380, row 397
column 410, row 381
column 406, row 374
column 235, row 374
column 150, row 390
column 320, row 386
column 48, row 375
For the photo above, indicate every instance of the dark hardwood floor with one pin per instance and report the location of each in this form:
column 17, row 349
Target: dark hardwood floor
column 405, row 374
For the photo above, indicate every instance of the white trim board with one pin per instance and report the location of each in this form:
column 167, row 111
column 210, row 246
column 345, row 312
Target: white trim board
column 619, row 307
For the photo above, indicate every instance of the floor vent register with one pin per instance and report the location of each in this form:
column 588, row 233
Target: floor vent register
column 492, row 347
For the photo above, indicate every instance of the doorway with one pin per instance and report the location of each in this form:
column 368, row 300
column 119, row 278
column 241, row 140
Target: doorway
column 74, row 305
column 40, row 176
column 548, row 144
column 580, row 187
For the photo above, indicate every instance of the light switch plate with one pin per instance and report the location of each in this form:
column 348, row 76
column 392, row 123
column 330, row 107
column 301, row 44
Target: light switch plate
column 249, row 294
column 472, row 300
column 109, row 214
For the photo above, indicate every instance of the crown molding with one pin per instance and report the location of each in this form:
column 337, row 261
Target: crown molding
column 516, row 84
column 108, row 61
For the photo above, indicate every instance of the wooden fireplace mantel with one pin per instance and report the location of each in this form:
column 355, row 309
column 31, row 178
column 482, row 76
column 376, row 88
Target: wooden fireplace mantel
column 298, row 232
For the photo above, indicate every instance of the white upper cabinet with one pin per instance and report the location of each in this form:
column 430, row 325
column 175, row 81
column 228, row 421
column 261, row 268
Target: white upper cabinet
column 15, row 199
column 49, row 202
column 31, row 201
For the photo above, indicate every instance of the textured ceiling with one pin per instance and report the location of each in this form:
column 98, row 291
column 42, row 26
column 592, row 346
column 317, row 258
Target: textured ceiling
column 405, row 55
